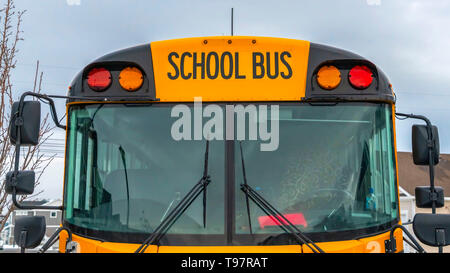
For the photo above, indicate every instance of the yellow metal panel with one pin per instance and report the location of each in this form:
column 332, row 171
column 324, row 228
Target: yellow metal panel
column 230, row 249
column 174, row 58
column 93, row 246
column 374, row 244
column 338, row 247
column 396, row 159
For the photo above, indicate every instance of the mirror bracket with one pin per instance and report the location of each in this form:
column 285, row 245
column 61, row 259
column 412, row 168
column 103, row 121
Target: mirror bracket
column 433, row 196
column 28, row 207
column 18, row 123
column 440, row 237
column 390, row 245
column 432, row 143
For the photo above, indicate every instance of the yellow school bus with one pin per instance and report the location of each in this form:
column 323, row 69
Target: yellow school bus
column 229, row 144
column 308, row 128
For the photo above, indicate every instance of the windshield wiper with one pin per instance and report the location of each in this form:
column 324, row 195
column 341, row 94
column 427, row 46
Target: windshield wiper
column 268, row 209
column 122, row 155
column 180, row 208
column 246, row 196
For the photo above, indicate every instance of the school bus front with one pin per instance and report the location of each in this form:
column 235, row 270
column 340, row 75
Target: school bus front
column 308, row 127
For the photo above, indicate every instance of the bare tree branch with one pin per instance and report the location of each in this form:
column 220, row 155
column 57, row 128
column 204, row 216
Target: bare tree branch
column 33, row 158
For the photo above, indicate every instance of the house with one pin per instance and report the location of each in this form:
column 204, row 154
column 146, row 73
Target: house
column 52, row 218
column 5, row 233
column 410, row 176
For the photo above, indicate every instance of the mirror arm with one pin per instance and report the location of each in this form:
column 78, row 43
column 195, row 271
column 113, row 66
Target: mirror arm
column 50, row 102
column 431, row 148
column 26, row 207
column 19, row 123
column 392, row 239
column 52, row 240
column 23, row 238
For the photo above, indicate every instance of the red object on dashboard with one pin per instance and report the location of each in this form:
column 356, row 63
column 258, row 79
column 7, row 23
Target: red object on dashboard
column 294, row 218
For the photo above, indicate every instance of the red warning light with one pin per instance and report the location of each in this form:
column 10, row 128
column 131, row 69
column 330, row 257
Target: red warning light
column 360, row 77
column 99, row 79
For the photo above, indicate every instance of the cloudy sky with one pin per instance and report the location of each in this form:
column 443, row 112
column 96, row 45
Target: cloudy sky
column 407, row 39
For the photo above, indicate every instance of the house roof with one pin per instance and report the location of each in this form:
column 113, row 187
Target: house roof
column 33, row 202
column 57, row 202
column 410, row 176
column 44, row 202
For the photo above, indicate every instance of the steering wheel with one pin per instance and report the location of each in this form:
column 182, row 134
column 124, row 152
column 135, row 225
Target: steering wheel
column 346, row 193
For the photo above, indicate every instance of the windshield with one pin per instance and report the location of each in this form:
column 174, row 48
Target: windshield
column 330, row 170
column 333, row 171
column 125, row 173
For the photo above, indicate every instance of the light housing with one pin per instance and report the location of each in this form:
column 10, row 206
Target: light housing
column 99, row 79
column 328, row 77
column 131, row 78
column 360, row 77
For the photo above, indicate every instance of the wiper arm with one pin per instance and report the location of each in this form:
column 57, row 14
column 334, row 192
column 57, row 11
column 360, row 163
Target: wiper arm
column 268, row 209
column 272, row 212
column 246, row 196
column 180, row 208
column 122, row 155
column 205, row 177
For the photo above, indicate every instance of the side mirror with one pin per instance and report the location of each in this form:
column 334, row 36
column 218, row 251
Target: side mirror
column 23, row 182
column 432, row 229
column 29, row 231
column 29, row 123
column 425, row 198
column 420, row 145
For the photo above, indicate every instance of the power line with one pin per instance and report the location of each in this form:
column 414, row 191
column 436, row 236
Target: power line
column 422, row 93
column 46, row 83
column 51, row 66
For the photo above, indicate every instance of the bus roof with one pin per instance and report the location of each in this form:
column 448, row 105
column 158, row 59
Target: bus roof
column 230, row 68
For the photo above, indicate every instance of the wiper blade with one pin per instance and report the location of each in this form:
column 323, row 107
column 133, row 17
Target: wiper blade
column 205, row 176
column 246, row 196
column 122, row 155
column 270, row 210
column 180, row 208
